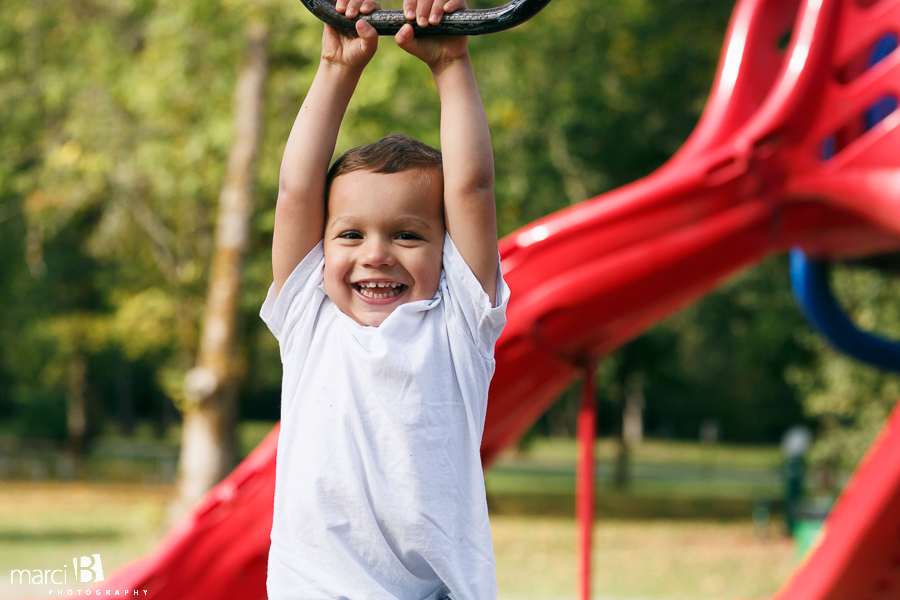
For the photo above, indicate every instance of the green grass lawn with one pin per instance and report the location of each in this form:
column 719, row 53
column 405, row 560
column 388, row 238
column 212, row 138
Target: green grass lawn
column 42, row 524
column 660, row 559
column 564, row 450
column 680, row 530
column 668, row 480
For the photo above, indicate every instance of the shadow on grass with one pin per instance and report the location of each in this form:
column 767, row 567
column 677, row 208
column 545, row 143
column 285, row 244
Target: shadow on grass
column 59, row 535
column 625, row 506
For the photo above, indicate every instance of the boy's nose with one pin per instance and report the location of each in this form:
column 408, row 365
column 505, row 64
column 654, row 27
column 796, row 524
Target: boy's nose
column 377, row 253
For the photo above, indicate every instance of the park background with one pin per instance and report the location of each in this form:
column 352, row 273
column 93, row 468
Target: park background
column 116, row 124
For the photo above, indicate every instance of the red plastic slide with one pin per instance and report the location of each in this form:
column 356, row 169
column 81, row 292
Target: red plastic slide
column 753, row 179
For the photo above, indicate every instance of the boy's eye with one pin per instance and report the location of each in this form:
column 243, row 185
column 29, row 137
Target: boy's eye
column 407, row 235
column 351, row 235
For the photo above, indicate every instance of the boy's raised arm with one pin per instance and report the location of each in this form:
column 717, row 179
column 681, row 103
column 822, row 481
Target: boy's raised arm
column 300, row 211
column 469, row 206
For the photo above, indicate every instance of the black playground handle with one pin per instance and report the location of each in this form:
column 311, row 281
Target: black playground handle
column 463, row 22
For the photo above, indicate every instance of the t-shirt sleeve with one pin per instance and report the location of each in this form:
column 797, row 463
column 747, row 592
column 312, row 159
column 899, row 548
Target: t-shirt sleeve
column 297, row 304
column 469, row 303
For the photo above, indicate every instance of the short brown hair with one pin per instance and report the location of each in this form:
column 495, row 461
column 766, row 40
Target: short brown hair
column 392, row 154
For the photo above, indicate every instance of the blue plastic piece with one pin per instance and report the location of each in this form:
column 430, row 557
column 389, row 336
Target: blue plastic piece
column 809, row 280
column 881, row 109
column 883, row 47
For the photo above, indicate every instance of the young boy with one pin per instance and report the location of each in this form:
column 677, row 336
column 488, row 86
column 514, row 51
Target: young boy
column 386, row 303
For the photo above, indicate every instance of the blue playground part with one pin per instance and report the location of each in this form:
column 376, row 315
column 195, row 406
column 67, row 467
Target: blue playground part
column 809, row 278
column 809, row 281
column 878, row 111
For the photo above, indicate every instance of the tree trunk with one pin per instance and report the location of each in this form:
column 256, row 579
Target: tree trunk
column 632, row 432
column 124, row 399
column 633, row 415
column 207, row 446
column 621, row 472
column 77, row 403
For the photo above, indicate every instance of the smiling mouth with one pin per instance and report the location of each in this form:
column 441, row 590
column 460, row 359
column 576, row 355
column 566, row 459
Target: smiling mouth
column 381, row 290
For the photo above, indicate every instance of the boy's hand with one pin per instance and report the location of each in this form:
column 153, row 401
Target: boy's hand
column 345, row 51
column 300, row 210
column 437, row 51
column 468, row 162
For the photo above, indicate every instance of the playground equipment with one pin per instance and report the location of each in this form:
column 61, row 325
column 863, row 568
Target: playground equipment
column 809, row 278
column 467, row 22
column 782, row 157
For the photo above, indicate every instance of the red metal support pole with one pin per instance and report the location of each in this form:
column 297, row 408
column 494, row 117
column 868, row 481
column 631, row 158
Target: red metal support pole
column 584, row 500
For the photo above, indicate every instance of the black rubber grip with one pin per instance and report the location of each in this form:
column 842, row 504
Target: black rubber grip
column 463, row 22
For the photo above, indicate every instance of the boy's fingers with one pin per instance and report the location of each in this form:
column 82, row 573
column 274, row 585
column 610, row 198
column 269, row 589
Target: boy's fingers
column 340, row 5
column 437, row 12
column 366, row 32
column 454, row 5
column 423, row 8
column 404, row 35
column 368, row 6
column 353, row 8
column 409, row 9
column 368, row 36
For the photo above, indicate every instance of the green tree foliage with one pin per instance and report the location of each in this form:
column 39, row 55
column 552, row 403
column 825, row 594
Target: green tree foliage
column 596, row 96
column 128, row 107
column 116, row 125
column 732, row 349
column 851, row 400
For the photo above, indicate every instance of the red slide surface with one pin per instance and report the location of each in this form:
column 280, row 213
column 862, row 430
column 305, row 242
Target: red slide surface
column 751, row 180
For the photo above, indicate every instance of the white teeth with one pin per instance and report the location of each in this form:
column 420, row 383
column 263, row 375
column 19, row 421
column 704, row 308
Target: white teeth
column 368, row 289
column 379, row 284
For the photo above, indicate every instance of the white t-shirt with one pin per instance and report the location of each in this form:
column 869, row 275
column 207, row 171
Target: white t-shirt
column 379, row 491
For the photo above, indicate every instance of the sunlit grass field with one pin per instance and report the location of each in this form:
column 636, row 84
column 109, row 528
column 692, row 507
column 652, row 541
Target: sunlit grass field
column 677, row 534
column 43, row 525
column 668, row 480
column 659, row 559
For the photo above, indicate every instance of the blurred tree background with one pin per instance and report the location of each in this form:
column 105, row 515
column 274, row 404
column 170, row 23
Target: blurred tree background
column 117, row 120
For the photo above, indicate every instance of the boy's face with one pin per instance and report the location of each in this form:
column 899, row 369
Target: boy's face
column 384, row 241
